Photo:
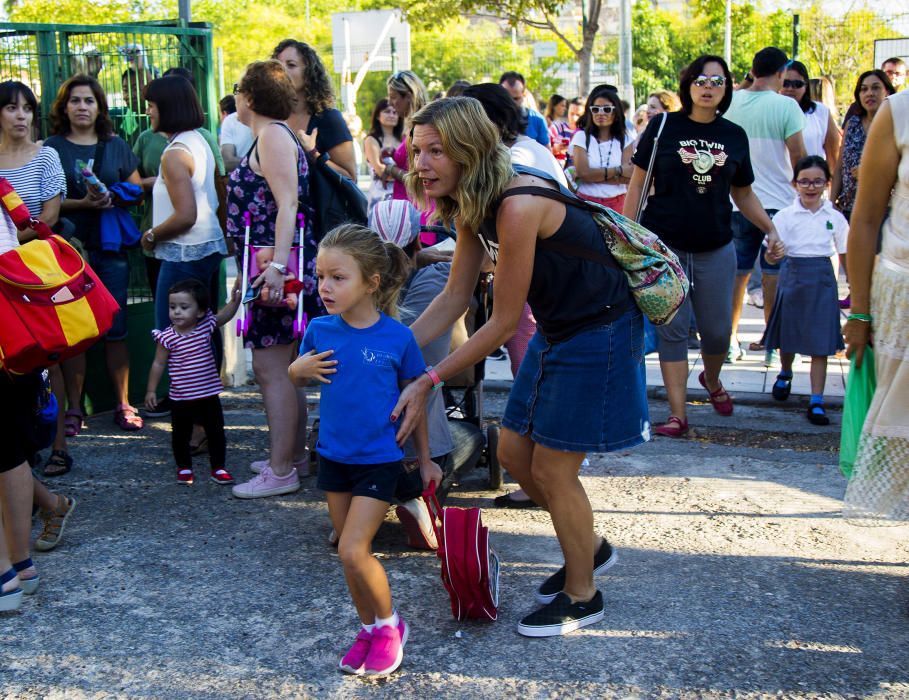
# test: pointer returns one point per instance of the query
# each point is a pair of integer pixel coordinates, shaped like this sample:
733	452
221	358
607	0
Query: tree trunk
585	56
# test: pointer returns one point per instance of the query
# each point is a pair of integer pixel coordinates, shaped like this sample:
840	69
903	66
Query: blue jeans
112	268
204	270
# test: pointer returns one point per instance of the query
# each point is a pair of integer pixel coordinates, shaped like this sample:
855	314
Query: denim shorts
112	267
585	394
379	481
749	244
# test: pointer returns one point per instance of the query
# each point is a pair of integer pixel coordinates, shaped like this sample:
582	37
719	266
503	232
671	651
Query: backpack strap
18	212
560	246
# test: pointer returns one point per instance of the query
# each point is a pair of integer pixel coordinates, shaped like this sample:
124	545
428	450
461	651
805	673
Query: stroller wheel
492	458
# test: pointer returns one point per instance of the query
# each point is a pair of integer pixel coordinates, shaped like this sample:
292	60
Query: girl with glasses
821	135
601	150
805	318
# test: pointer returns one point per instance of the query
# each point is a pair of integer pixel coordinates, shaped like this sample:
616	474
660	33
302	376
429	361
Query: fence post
796	31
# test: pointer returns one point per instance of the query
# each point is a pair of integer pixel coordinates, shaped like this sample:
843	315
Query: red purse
470	567
52	304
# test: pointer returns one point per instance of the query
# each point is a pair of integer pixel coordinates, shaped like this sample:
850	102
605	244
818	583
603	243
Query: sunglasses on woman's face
716	81
602	109
795	84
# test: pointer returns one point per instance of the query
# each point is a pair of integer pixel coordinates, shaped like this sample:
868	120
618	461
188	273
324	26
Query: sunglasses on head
712	81
796	84
602	109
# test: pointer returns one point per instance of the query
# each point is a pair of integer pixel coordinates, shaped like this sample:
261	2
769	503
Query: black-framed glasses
816	183
794	84
602	109
716	81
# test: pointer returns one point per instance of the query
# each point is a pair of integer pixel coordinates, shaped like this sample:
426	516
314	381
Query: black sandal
59	463
506	501
816	414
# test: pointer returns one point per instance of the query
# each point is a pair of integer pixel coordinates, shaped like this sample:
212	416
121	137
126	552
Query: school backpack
52	304
470	567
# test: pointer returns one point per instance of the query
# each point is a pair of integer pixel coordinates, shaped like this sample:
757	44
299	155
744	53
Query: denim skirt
585	394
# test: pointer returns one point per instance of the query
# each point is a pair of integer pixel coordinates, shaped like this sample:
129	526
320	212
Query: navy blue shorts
585	394
112	268
379	481
749	244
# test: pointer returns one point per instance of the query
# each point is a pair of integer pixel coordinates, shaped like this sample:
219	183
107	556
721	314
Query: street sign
545	49
354	36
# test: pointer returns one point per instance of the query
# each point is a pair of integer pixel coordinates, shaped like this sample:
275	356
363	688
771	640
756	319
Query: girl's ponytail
392	280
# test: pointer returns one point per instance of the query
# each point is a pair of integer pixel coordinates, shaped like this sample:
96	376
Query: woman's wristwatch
149	235
279	267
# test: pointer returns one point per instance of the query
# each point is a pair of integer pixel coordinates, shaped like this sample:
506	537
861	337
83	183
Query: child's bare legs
16	495
357	519
818	374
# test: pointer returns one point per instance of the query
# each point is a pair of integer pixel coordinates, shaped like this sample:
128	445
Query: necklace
608	152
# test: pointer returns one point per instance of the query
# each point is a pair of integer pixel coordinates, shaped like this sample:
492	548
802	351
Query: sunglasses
819	182
602	109
796	84
713	81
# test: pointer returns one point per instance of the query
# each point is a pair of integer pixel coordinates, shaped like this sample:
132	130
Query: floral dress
248	191
853	145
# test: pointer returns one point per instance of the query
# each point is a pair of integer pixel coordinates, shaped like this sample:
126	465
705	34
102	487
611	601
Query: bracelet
865	318
437	383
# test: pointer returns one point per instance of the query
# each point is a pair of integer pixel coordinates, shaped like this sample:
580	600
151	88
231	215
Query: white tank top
205	236
895	245
815	131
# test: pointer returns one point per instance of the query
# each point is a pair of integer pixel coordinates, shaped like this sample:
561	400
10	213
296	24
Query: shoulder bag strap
648	178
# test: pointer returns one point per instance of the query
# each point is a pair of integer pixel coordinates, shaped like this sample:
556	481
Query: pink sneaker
256	467
267	484
355	659
387	649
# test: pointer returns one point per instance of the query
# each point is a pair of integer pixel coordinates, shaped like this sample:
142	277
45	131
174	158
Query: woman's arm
454	299
836	183
613	174
625	171
635	190
832	142
277	159
176	170
880	161
340	158
50	214
373	153
750	206
518	224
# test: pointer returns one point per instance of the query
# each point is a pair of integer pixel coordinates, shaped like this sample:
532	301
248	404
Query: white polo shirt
808	234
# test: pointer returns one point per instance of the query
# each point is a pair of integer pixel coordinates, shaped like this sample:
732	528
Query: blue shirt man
514	83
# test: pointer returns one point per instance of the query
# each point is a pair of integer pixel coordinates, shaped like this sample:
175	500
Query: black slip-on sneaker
603	559
562	616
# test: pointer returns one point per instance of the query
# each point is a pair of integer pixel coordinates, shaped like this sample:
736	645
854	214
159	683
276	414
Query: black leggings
207	413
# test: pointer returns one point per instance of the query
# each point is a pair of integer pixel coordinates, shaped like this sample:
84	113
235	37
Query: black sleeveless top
569	294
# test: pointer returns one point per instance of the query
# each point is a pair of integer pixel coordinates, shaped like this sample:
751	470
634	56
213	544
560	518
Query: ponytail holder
865	318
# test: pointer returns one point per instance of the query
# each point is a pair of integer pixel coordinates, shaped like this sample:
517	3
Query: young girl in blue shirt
363	357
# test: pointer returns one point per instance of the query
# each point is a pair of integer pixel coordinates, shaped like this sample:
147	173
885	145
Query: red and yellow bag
52	304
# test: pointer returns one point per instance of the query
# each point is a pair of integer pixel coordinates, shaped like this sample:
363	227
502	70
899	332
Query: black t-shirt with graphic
696	165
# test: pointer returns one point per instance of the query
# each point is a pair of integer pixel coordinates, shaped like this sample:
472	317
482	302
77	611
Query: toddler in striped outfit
185	349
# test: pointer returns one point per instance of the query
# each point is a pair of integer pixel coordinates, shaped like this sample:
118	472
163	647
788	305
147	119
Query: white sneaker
414	516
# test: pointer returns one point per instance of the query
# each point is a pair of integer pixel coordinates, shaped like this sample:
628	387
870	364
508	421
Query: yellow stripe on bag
41	260
11	200
77	321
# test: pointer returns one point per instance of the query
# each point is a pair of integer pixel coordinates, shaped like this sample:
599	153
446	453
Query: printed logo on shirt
492	249
377	358
703	159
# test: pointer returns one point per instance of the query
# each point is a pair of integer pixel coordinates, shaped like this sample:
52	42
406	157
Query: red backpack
52	305
470	567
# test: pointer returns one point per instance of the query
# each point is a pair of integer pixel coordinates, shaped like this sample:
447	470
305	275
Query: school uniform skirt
806	316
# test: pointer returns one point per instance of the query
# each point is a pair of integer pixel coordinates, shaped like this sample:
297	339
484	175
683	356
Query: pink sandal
675	427
73	422
721	405
128	418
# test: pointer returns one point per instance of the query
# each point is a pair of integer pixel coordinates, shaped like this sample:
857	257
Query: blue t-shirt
536	127
355	409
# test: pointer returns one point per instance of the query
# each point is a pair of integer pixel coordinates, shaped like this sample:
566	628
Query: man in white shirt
236	140
774	126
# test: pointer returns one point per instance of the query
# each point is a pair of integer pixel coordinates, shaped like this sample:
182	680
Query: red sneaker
185	477
221	476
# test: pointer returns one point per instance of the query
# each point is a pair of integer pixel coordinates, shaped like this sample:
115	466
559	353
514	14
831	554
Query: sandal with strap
721	405
59	463
73	422
817	415
675	427
29	585
127	418
11	599
54	524
782	387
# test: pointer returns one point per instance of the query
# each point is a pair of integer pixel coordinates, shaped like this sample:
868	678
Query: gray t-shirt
425	286
118	162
